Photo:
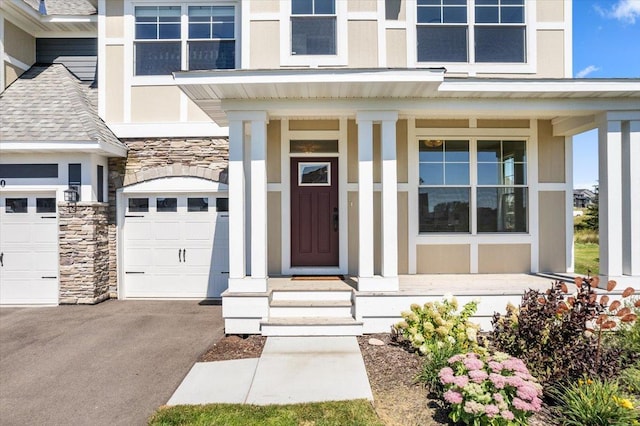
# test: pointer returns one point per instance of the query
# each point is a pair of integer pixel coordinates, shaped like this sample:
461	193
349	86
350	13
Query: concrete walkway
291	370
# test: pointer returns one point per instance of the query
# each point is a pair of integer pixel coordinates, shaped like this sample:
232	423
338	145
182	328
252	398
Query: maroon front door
314	212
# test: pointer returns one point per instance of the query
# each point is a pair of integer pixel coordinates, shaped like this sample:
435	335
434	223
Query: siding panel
79	55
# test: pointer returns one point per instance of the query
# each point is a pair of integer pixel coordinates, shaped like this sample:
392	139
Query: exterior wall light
71	195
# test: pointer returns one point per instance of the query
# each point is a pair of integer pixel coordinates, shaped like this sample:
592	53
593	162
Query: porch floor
437	284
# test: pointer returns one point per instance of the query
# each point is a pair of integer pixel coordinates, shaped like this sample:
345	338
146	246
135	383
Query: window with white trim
173	38
471	31
499	186
313	27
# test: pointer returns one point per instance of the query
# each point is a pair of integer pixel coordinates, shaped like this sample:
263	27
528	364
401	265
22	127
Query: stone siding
84	253
157	158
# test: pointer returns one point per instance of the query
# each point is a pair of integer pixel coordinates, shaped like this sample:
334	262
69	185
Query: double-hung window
313	27
174	38
471	31
211	37
499	186
158	49
442	32
500	31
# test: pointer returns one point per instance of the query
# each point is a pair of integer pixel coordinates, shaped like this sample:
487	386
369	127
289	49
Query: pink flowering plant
493	391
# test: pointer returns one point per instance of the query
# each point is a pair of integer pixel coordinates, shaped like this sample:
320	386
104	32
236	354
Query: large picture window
163	46
499	184
313	27
494	33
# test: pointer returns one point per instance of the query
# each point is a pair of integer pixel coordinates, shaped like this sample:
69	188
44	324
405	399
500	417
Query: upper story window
313	27
174	38
471	31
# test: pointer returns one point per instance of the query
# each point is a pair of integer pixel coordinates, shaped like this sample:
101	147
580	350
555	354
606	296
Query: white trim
15	62
382	35
112	41
551	187
2	76
630	199
395	25
158	130
343	196
263	16
546	26
310	135
568	178
342	39
533	207
176	184
129	27
389	207
452	239
474	132
102	58
363	16
413	180
237	208
285	197
259	209
71	146
568	39
245	35
365	196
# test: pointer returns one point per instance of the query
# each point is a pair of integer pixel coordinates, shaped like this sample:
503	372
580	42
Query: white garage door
28	249
175	246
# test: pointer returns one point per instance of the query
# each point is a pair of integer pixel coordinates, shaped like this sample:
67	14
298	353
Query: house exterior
383	140
583	198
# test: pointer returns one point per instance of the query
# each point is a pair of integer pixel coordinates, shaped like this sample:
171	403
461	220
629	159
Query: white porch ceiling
410	91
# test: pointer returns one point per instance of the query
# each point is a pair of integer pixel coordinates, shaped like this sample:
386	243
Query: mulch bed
234	347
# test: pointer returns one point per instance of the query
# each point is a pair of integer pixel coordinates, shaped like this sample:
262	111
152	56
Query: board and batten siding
79	55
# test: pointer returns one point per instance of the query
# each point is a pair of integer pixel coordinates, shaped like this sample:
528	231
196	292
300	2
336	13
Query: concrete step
312	295
304	326
311	308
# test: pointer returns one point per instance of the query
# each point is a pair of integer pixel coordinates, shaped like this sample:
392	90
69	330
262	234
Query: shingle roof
66	7
47	103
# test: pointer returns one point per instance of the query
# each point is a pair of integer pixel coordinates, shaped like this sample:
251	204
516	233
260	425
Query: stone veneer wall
155	158
84	252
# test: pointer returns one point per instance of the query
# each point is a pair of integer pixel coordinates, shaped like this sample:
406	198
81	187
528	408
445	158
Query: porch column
389	202
365	198
631	197
259	200
237	249
238	221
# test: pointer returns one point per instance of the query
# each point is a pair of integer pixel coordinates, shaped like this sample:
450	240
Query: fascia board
64	146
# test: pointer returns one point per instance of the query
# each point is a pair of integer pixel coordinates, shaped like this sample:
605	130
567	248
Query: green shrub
494	391
586	237
627	335
438	331
629	380
594	403
436	325
551	332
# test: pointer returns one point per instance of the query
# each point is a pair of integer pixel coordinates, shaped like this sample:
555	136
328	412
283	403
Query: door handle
336	219
179	255
184	255
2	259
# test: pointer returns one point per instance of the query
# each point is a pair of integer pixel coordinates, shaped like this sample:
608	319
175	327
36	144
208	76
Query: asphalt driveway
108	364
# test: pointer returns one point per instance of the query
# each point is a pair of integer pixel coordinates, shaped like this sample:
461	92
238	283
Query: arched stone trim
176	170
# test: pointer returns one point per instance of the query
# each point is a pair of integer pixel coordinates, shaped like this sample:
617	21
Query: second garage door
176	246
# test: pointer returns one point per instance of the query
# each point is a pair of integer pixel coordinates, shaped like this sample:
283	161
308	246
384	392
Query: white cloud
624	10
586	71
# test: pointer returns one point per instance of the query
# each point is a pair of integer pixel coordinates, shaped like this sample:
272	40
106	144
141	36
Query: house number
2	183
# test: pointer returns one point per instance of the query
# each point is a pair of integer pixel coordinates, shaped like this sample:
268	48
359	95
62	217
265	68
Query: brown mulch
392	368
234	347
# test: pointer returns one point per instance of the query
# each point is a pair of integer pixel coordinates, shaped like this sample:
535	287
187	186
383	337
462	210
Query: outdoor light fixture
71	195
432	143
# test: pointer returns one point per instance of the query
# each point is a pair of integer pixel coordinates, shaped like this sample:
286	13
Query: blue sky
606	43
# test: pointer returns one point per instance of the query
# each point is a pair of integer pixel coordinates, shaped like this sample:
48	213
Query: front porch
293	307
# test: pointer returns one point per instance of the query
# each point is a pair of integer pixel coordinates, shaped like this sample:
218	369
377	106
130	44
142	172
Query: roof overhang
29	20
90	147
409	91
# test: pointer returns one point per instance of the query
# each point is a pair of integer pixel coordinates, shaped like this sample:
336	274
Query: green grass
587	257
353	413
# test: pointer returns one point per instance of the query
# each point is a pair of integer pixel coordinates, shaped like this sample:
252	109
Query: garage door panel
45	232
136	257
19	233
15	290
138	230
197	256
165	257
167	230
198	231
